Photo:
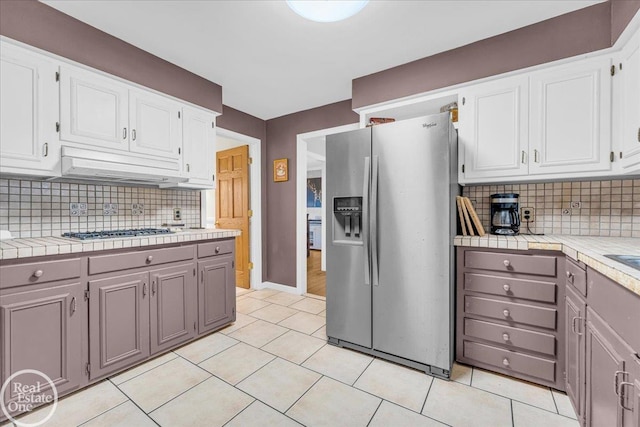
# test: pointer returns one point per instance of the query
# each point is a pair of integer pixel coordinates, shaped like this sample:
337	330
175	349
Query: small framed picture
280	170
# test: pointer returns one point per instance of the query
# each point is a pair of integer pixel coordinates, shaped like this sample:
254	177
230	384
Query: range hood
96	165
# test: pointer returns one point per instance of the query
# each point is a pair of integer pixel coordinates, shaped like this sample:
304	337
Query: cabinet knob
505	336
217	249
506	313
150	258
38	273
506	263
505	362
506	287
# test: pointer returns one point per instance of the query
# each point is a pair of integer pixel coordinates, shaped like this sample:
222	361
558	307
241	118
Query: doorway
315	200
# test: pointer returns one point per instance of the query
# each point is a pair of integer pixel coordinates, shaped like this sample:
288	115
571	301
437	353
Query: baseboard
280	287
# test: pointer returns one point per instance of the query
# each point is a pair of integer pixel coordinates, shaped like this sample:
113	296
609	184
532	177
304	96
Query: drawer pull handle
506	287
505	362
506	263
506	313
73	305
217	249
150	258
573	325
38	273
144	290
616	382
506	337
622	396
570	276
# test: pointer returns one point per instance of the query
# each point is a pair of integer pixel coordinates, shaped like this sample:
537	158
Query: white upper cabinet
570	118
199	138
492	130
93	109
155	125
628	85
28	112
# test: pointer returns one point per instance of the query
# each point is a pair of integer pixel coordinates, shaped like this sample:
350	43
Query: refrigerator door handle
373	228
366	188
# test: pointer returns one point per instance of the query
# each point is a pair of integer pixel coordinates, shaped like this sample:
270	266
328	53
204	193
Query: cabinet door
118	322
493	131
571	118
42	330
173	306
629	84
575	315
216	293
155	125
28	111
199	138
93	109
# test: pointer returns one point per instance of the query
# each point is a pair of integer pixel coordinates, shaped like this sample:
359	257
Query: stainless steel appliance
505	217
390	220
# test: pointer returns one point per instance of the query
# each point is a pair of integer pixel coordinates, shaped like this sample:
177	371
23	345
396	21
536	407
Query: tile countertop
589	249
23	248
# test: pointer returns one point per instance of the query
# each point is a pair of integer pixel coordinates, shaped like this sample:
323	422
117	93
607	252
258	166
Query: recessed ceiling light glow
326	10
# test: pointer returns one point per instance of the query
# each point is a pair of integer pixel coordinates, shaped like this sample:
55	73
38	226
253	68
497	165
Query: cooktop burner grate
109	234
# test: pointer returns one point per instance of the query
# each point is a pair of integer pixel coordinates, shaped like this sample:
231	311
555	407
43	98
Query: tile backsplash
32	208
607	208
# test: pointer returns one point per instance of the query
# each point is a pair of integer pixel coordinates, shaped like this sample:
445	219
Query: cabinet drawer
39	272
511	312
511	263
511	360
508	287
215	248
576	277
511	337
124	261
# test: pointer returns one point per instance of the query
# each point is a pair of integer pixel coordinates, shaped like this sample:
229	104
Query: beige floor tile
460	405
242	291
461	373
258	333
260	415
389	414
264	293
529	416
294	346
284	298
205	347
304	322
514	389
310	305
564	404
321	333
125	415
274	313
338	363
237	363
211	403
242	320
249	305
79	407
279	384
134	372
161	384
398	384
323	313
331	403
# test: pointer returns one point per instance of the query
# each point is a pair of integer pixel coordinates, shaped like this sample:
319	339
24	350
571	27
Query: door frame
255	201
301	200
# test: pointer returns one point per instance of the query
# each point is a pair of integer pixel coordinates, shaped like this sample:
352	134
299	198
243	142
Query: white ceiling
271	62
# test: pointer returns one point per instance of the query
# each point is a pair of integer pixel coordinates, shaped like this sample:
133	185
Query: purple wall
622	11
39	25
574	33
280	197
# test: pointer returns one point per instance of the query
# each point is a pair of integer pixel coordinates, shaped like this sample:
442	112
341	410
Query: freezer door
348	275
411	284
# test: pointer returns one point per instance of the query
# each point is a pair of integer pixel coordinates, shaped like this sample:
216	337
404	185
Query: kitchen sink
630	260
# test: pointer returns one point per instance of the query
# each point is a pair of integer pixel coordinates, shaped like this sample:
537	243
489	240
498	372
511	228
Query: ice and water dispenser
347	220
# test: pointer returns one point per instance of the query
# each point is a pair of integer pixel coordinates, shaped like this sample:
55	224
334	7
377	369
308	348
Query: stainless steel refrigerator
390	224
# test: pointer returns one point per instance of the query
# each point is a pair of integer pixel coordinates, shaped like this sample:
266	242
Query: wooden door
173	306
155	125
216	293
575	308
232	204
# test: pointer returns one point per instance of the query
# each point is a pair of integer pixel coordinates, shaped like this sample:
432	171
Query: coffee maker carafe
505	219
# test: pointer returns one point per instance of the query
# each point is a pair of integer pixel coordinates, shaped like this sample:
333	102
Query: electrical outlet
566	212
576	205
109	209
177	214
78	209
137	209
527	214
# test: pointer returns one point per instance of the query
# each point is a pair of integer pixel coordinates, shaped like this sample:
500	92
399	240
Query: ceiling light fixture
326	10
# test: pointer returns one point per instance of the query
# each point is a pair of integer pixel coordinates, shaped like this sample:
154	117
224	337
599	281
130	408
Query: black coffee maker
505	219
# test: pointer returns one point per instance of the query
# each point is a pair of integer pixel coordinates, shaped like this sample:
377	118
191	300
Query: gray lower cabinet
216	292
41	329
575	323
118	322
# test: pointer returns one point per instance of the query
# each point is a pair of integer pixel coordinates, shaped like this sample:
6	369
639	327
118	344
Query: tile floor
273	367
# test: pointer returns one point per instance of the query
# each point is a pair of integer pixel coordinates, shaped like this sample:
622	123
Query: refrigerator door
411	291
348	267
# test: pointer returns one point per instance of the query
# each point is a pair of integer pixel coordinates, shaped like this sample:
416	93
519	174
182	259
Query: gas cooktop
109	234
